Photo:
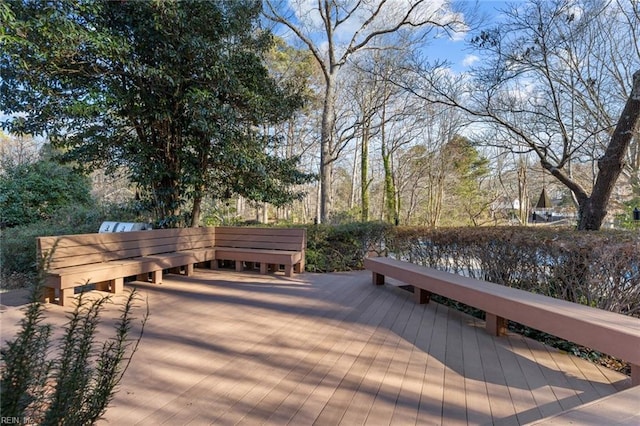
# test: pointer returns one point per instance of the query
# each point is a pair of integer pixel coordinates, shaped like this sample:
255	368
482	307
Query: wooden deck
229	348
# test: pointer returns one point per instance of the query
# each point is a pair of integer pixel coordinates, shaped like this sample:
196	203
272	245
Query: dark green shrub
36	191
343	247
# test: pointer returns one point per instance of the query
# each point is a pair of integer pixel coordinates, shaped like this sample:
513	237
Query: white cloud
387	15
470	60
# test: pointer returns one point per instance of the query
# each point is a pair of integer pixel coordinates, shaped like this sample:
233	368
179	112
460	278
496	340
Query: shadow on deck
229	348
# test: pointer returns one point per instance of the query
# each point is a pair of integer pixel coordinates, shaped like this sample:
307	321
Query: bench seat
98	272
608	332
106	259
292	260
266	246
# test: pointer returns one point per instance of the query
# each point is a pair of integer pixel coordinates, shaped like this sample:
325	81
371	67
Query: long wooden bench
269	247
106	259
608	332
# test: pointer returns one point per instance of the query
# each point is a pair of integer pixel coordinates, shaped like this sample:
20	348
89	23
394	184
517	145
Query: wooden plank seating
106	259
608	332
270	247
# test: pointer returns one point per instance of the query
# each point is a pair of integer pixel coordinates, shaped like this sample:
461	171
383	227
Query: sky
456	51
306	17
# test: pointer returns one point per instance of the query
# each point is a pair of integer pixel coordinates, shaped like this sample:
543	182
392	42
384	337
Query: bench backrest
83	249
292	239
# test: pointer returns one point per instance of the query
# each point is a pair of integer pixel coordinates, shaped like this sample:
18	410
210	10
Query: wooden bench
106	259
608	332
269	247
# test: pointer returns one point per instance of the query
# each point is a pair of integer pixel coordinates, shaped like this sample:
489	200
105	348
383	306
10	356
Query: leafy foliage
343	247
175	91
469	168
75	386
36	191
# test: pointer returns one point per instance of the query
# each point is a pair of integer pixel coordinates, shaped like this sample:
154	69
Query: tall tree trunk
354	178
364	170
195	210
389	188
523	195
593	209
326	146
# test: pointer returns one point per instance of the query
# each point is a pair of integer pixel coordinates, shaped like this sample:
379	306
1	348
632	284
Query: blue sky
306	17
457	52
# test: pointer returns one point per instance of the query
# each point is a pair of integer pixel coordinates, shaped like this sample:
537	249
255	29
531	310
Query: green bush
33	192
18	244
342	247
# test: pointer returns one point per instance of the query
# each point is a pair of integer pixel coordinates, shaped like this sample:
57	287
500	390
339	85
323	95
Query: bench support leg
239	266
288	270
156	277
48	295
67	296
117	285
635	375
378	279
188	270
264	268
143	277
298	268
496	326
421	296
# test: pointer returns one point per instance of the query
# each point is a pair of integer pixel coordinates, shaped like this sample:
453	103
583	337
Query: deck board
230	348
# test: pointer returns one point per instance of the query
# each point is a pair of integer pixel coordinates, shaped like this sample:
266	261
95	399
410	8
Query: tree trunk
389	188
195	211
326	146
389	185
354	178
364	171
593	209
523	195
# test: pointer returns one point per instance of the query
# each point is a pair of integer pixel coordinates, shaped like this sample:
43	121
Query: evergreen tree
175	91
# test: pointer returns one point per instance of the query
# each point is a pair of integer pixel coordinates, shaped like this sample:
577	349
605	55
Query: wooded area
214	109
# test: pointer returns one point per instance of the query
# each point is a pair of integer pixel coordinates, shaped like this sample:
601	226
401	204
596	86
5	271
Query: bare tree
18	149
424	173
363	88
334	30
554	79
